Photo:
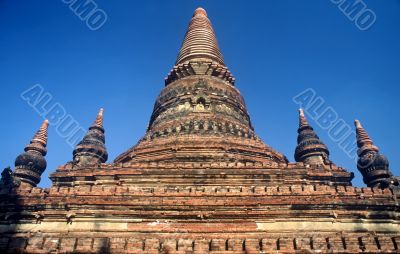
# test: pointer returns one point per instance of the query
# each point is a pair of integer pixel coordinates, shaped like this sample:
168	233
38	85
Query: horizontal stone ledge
211	190
199	170
198	227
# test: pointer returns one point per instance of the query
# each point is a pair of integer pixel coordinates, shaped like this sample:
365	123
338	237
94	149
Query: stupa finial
30	165
41	134
99	119
200	43
310	148
363	139
373	165
200	12
92	150
199	53
302	119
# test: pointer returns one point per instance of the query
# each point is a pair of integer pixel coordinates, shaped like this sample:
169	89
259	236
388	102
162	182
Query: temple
200	180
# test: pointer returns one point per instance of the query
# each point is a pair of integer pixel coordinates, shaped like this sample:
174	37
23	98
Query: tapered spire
30	165
199	53
373	165
99	119
39	140
310	148
91	150
302	119
364	142
200	42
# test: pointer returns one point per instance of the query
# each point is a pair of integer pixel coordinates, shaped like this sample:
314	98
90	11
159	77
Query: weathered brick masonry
199	181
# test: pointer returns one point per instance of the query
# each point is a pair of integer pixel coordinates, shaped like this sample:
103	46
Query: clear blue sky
274	48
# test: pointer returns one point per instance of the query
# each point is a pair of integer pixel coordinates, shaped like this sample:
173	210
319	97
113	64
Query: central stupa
200	115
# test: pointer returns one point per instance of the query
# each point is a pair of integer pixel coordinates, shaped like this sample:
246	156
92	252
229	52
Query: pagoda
200	180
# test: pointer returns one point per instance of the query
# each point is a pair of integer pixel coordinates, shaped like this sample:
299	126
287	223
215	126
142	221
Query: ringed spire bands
373	165
92	150
310	148
199	53
200	42
30	165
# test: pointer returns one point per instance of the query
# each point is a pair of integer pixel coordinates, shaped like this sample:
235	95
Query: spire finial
39	141
99	119
302	119
310	149
200	43
364	142
30	165
200	12
92	150
199	53
357	124
301	112
373	165
41	134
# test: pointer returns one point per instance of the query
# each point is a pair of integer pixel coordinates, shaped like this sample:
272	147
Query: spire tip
99	118
301	112
200	11
41	134
302	119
